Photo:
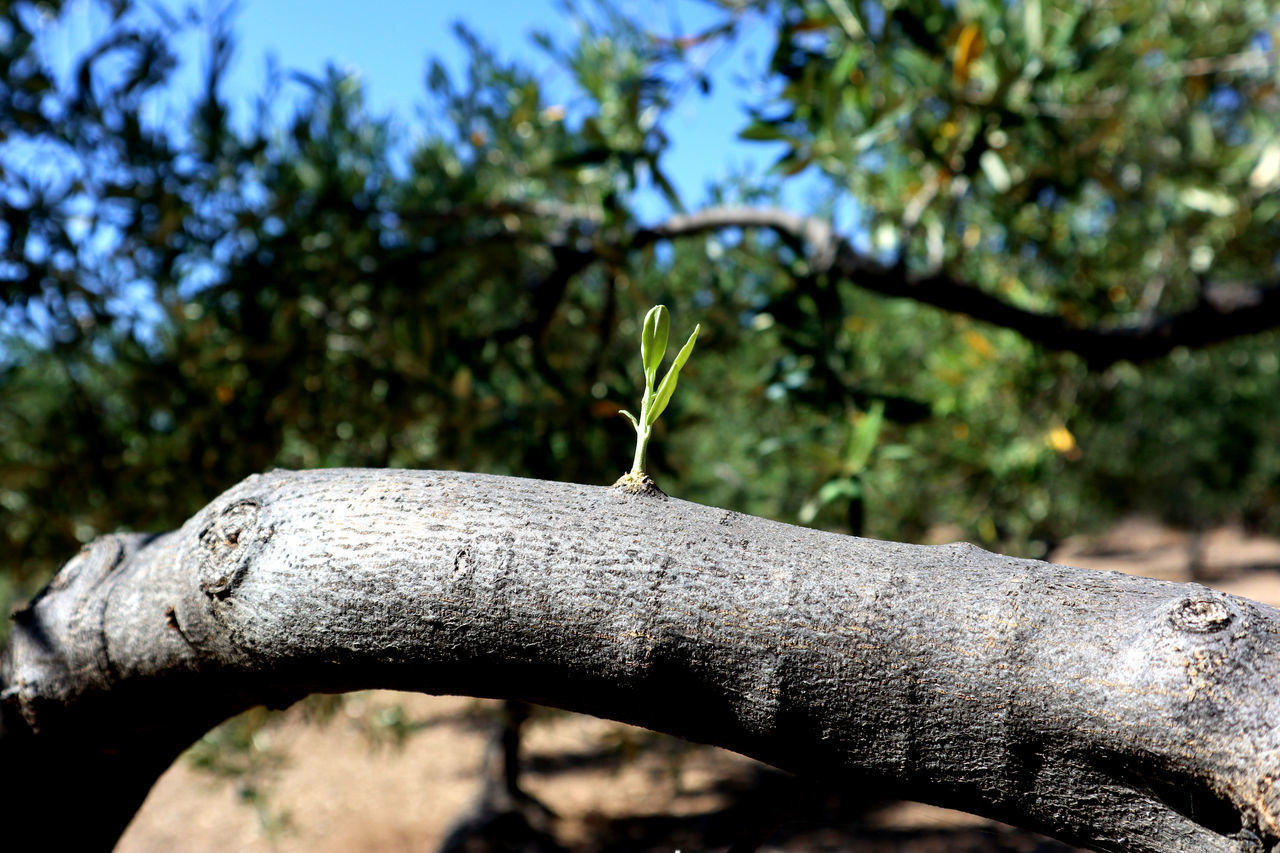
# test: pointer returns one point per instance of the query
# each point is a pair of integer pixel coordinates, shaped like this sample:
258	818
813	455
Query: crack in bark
171	619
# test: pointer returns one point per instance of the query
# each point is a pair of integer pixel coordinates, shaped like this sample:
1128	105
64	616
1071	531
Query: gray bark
1115	712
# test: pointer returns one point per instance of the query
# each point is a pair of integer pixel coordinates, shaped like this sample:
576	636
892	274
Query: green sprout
653	346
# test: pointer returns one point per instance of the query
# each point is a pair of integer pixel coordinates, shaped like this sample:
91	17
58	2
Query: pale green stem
643	430
642	449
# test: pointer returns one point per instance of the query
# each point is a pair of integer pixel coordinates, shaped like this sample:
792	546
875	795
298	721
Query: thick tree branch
1112	711
1223	314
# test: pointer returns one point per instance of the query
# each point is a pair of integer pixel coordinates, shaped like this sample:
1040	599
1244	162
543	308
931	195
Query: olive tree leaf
832	490
864	437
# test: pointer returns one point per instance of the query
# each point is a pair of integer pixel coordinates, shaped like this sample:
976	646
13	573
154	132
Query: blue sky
390	44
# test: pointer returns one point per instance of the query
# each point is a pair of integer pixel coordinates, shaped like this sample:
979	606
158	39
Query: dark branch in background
546	293
1224	311
1221	314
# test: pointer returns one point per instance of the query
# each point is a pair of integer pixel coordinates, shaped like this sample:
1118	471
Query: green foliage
653	346
1096	160
847	485
1202	427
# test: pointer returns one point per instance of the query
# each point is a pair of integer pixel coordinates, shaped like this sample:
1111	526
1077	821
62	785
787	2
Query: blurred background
286	234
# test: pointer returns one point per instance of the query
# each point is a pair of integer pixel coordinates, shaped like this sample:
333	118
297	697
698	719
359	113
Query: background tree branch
1119	712
1223	312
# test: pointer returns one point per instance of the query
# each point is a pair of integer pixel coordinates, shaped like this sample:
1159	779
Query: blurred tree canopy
1059	207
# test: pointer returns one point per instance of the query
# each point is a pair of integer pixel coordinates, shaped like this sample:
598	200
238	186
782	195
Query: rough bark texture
1115	712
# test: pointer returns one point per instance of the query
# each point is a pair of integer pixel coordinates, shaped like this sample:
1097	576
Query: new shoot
653	346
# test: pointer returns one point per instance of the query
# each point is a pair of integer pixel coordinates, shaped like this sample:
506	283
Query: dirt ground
390	772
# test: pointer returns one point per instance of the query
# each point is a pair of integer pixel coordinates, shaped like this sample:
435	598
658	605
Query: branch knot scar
226	545
1201	614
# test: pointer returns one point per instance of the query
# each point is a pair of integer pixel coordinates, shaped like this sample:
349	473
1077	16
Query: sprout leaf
668	386
653	340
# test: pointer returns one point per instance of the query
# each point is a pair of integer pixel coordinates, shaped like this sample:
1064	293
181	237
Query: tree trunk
1110	711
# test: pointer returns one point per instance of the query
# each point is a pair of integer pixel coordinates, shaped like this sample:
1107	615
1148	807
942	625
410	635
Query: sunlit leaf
968	48
653	341
668	386
865	435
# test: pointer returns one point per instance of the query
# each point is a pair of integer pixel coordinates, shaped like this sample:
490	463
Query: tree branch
1223	314
1118	712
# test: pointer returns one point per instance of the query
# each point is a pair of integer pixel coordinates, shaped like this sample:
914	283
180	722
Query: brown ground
348	785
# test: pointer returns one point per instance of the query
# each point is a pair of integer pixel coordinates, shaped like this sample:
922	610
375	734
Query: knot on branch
95	562
1203	614
226	545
